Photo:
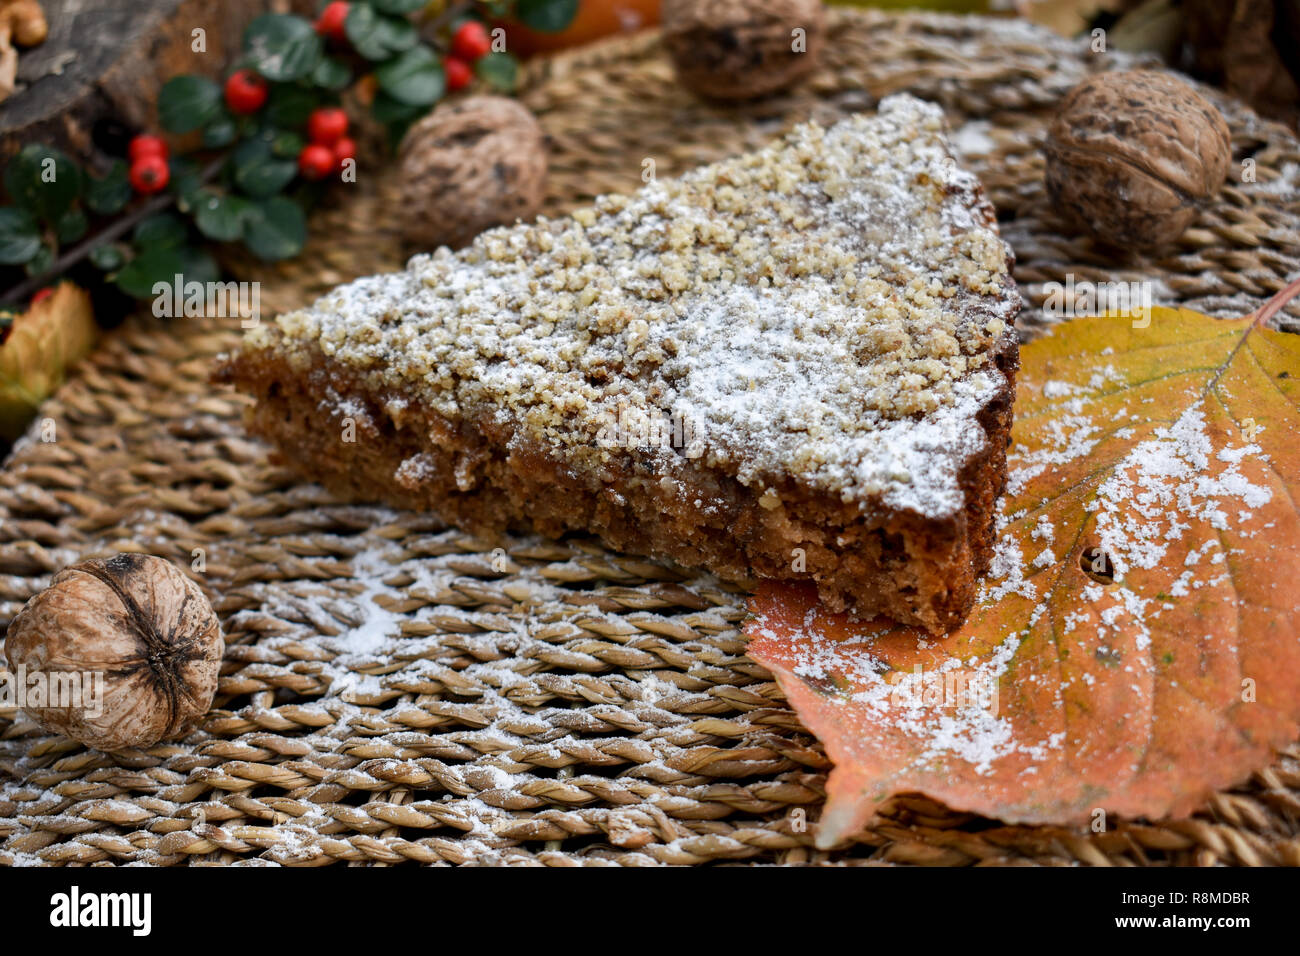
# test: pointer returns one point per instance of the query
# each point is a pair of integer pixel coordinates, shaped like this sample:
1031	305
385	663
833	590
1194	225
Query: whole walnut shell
738	50
1133	155
470	165
141	624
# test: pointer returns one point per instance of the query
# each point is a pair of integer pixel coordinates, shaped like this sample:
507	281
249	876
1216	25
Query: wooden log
95	80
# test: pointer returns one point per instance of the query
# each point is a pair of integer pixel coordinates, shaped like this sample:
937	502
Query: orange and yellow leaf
1136	644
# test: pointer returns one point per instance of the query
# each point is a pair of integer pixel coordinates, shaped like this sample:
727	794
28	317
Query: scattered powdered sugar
360	641
1043	530
377	623
1064	437
972	138
965	724
1006	574
1055	389
415	469
1285	184
1148	502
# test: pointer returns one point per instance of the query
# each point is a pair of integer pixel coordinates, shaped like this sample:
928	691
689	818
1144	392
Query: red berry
316	161
471	41
458	73
146	145
245	92
331	20
344	149
42	294
149	174
326	125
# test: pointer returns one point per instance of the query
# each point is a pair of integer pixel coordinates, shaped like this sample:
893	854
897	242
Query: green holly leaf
258	171
20	238
197	265
282	47
499	71
287	145
398	7
43	181
549	16
42	262
108	257
388	110
414	78
290	105
399	34
71	226
155	272
185	183
162	231
220	132
220	217
331	74
187	102
109	195
148	268
359	27
375	36
275	229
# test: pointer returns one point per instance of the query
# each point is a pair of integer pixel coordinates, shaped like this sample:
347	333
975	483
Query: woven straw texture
395	691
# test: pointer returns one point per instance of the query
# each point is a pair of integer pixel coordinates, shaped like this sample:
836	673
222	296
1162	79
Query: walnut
468	166
737	50
1132	156
135	639
22	23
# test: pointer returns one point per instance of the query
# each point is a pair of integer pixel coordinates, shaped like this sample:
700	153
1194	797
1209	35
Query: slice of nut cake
796	364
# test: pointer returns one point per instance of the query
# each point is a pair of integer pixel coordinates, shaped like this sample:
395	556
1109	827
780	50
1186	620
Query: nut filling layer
808	347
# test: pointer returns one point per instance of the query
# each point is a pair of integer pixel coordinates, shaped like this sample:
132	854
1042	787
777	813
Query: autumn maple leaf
1136	644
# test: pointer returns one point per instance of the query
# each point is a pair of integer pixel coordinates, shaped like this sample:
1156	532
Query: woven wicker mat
396	691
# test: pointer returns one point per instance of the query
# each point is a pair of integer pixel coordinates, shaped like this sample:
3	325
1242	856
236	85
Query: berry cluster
149	172
469	44
245	93
258	147
330	148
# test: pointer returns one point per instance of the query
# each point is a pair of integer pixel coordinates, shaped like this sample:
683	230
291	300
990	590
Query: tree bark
94	82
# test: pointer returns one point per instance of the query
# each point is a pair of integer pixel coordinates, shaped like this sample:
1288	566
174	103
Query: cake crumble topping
827	308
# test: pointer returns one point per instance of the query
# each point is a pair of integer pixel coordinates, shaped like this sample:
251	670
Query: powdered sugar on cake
827	308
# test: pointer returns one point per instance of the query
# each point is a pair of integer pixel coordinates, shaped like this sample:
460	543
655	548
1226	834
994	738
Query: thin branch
82	249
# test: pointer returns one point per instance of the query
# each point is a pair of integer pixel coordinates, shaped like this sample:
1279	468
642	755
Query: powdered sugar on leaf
1150	501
